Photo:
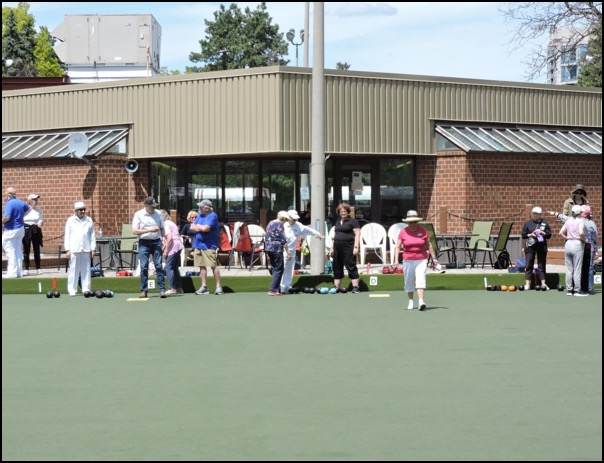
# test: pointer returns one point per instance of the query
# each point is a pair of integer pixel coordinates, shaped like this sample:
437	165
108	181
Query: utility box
109	42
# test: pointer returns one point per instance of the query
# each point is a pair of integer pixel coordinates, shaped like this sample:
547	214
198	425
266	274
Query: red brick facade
110	193
453	189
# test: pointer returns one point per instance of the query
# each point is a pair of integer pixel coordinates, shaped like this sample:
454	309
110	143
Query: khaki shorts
205	258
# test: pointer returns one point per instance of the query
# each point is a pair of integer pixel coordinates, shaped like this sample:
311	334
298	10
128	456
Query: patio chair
393	233
444	247
481	233
373	238
497	252
127	246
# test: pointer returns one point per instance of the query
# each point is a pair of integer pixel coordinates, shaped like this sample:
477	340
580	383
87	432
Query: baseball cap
293	214
576	209
537	210
150	201
283	215
79	205
33	196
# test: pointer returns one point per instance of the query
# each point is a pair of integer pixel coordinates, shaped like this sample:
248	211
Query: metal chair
439	250
481	233
495	251
127	246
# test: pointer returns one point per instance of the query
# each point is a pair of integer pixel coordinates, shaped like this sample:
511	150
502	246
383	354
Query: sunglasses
81	210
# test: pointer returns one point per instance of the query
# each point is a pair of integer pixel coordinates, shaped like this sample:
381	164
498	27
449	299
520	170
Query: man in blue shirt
205	246
14	230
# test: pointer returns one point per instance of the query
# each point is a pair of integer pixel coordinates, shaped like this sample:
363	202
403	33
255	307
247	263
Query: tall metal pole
306	32
317	160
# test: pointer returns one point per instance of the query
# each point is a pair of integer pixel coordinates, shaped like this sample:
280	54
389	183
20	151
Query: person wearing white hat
294	230
536	232
33	234
573	232
13	233
275	246
415	242
80	245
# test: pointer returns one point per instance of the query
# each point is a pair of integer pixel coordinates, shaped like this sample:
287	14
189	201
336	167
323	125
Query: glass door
353	183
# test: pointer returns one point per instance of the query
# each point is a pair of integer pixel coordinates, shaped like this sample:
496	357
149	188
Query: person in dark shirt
536	232
345	247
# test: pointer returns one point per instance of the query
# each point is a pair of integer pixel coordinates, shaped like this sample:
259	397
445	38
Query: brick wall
110	193
503	187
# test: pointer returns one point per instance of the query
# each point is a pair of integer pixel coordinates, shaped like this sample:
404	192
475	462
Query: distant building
564	70
101	48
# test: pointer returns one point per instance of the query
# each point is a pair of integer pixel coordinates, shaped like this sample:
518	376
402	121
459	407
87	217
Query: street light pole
291	34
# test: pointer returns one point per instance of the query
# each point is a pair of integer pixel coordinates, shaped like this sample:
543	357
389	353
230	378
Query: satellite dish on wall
78	144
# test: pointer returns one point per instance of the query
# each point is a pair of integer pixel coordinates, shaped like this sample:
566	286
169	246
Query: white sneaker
39	271
25	273
410	305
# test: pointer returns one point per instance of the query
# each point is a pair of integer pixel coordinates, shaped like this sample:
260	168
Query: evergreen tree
591	71
239	40
18	45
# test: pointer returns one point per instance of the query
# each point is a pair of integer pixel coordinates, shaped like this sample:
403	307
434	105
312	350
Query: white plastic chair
373	238
257	234
393	233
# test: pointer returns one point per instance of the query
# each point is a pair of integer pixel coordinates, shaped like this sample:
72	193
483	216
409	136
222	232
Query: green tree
591	71
18	45
31	53
533	20
47	61
239	40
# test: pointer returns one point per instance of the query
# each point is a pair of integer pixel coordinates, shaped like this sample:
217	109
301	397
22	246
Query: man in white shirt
148	225
80	244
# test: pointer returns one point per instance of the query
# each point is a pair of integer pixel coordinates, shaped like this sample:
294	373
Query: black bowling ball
50	294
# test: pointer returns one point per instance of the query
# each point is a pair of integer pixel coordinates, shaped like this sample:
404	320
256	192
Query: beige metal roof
56	144
522	140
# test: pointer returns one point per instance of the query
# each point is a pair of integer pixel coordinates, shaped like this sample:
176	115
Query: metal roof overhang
522	140
52	145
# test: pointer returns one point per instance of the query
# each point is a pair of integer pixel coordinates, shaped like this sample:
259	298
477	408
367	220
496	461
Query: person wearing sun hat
415	243
577	196
80	245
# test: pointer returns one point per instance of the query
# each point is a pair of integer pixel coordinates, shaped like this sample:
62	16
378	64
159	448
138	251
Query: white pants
288	273
415	274
79	269
11	243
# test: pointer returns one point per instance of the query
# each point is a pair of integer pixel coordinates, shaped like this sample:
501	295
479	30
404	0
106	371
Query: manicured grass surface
239	284
245	376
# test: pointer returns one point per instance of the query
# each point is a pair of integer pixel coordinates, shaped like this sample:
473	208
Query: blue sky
468	40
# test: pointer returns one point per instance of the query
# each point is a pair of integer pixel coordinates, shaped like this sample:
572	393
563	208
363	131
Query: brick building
457	150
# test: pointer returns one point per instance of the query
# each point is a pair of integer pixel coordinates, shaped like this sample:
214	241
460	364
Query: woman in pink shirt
573	231
172	247
416	245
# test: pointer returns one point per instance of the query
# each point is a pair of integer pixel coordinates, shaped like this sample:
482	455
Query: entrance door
356	182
